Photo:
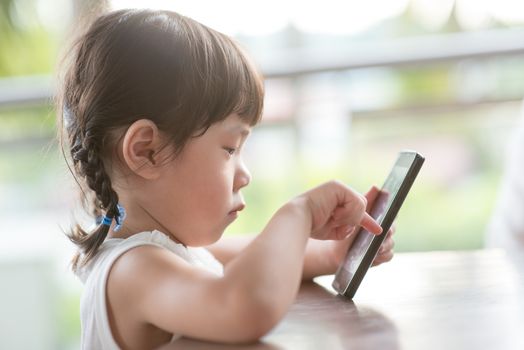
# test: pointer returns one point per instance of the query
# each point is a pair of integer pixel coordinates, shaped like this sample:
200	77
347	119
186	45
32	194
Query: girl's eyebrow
242	129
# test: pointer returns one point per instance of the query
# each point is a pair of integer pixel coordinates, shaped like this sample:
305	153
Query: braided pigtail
89	165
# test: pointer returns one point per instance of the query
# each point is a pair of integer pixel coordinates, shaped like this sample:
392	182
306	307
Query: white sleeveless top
96	332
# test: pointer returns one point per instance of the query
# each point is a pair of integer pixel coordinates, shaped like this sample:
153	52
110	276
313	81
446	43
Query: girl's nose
243	177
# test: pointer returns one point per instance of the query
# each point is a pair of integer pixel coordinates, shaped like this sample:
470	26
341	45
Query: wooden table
436	300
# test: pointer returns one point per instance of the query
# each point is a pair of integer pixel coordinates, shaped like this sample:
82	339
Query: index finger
370	224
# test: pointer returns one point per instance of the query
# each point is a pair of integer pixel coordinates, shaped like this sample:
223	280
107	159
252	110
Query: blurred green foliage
69	320
26	47
431	218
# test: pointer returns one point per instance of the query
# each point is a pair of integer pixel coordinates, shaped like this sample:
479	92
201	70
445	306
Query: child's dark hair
157	65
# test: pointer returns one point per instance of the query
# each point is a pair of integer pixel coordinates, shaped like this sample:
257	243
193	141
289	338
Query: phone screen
384	210
378	211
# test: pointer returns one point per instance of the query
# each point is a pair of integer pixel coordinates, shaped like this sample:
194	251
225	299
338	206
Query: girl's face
197	195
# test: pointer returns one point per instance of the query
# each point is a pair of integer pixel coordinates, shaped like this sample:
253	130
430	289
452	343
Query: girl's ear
140	149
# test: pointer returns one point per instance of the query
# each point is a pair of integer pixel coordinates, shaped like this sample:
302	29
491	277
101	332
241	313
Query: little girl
156	109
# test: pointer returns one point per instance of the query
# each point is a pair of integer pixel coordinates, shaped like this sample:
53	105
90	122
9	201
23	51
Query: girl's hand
337	249
336	211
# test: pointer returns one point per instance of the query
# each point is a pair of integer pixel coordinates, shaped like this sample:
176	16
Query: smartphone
385	208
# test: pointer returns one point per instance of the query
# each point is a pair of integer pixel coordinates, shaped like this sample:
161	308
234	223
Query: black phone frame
415	161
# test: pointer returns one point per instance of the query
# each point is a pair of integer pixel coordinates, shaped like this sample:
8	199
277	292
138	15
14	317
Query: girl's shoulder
197	256
118	276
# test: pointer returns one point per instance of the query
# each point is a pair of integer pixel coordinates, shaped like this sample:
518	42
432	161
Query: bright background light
338	17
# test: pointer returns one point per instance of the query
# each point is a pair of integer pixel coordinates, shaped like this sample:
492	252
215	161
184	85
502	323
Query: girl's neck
138	220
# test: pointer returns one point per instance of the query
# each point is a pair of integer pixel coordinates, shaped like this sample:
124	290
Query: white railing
38	90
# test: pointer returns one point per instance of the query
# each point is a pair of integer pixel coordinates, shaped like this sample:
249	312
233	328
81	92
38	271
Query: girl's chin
204	238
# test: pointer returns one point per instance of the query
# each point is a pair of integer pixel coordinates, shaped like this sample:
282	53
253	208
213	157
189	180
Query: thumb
371	195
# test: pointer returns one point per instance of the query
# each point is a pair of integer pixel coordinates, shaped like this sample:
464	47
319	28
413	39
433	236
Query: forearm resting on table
315	261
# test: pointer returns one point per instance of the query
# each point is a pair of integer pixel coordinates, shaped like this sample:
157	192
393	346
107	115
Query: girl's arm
317	260
158	288
320	257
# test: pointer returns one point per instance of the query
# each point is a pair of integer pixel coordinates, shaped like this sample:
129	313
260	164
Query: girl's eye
230	151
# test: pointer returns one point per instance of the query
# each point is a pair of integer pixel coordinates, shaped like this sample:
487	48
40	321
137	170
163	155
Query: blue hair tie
121	217
106	220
